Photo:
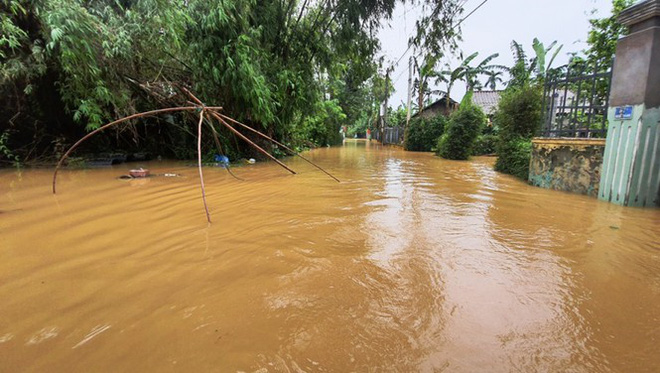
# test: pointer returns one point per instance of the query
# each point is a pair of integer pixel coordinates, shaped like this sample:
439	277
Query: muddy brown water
411	264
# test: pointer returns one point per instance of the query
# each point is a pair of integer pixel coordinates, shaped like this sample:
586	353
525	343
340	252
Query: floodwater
412	263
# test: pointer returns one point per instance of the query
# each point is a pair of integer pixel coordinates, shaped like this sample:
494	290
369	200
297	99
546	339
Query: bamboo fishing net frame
212	111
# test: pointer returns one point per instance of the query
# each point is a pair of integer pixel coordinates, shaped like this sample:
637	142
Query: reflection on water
412	263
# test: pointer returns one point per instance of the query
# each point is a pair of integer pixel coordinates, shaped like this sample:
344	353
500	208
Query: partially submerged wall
572	165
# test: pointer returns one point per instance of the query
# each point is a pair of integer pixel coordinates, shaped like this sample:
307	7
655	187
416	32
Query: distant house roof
487	100
439	105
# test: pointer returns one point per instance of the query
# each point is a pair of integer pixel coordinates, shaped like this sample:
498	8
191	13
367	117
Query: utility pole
383	107
410	79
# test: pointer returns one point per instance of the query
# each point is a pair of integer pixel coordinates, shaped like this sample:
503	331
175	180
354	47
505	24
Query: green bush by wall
422	133
519	111
519	118
514	155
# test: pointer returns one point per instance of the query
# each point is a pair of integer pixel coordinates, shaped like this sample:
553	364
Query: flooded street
412	263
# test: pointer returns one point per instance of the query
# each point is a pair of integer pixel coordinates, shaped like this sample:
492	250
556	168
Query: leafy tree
294	69
437	33
482	68
604	34
541	55
323	129
519	111
397	117
421	84
514	156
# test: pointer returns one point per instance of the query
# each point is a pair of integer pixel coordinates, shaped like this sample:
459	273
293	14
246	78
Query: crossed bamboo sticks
204	111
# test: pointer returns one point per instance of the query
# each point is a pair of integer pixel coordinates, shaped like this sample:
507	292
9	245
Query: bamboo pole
229	127
262	151
134	116
199	162
217	143
293	152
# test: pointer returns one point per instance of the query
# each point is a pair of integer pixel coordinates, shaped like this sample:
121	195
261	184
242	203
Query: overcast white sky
492	28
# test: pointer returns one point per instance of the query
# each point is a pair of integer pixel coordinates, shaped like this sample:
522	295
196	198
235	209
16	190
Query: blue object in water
222	159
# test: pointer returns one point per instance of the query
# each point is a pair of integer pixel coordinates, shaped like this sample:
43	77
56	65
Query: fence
575	102
390	135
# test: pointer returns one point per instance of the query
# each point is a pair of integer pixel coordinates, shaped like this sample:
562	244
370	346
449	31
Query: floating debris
140	172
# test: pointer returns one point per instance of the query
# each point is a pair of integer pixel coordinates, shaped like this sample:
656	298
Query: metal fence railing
390	135
575	102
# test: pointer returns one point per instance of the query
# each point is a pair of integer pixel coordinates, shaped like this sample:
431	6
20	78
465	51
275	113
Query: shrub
519	111
485	144
422	133
518	117
514	156
462	131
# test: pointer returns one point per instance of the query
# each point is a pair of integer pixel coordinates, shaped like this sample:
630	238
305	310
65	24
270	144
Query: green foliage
397	117
468	73
295	69
485	144
437	31
519	111
528	71
5	151
604	34
464	126
323	128
437	34
514	154
519	117
11	36
422	134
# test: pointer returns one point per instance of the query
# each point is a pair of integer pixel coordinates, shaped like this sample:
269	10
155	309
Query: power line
458	24
472	12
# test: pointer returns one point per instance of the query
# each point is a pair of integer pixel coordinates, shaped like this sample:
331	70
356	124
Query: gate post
631	164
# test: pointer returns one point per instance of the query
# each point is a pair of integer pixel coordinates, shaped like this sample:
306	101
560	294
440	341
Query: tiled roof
441	102
487	100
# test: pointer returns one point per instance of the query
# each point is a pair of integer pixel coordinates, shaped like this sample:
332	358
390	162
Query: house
487	101
437	108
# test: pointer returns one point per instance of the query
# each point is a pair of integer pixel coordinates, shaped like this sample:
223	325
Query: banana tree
524	70
426	71
483	68
467	72
494	77
541	54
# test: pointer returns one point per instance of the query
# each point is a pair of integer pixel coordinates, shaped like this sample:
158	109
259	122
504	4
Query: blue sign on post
623	112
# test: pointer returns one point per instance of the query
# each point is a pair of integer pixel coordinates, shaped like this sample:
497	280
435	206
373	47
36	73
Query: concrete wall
572	165
631	173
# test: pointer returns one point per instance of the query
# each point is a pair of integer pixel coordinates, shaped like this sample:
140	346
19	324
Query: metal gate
575	102
389	135
393	135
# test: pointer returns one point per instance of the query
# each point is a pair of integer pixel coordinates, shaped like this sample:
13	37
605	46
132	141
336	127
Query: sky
491	29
